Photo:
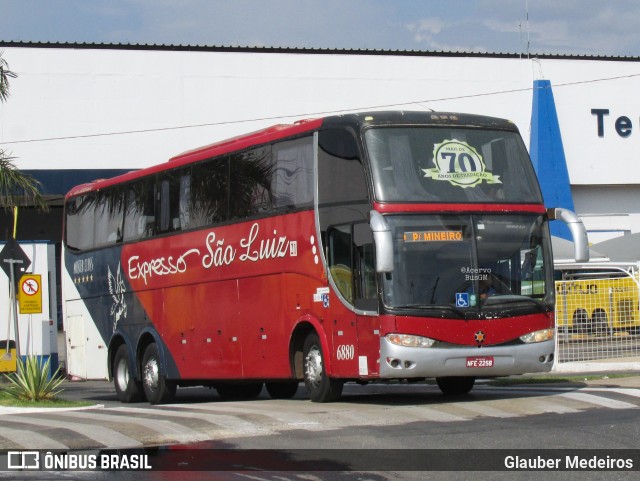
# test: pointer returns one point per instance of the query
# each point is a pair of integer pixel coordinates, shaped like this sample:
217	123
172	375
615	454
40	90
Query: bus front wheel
320	386
128	389
157	389
455	386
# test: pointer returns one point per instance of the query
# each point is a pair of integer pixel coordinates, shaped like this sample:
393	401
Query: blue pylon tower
547	154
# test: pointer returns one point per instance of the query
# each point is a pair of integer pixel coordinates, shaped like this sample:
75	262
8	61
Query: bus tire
580	322
239	391
321	387
455	386
157	389
128	389
282	390
599	322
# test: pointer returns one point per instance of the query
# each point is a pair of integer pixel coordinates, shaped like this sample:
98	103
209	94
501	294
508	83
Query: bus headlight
407	340
538	336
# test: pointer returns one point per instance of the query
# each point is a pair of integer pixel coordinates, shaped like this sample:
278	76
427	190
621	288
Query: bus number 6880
345	352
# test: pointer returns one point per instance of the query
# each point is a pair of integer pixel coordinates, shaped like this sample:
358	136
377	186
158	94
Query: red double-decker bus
362	247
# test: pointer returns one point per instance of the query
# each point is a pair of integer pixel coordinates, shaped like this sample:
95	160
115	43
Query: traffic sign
12	253
30	294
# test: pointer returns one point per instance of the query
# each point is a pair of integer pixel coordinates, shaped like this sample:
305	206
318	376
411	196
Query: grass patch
33	380
9	401
554	379
33	386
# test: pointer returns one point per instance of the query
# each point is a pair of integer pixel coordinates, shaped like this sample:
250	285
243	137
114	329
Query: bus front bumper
400	362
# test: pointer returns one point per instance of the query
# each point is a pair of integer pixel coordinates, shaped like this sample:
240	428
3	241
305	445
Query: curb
24	410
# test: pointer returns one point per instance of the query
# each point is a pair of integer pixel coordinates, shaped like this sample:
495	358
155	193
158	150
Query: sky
574	27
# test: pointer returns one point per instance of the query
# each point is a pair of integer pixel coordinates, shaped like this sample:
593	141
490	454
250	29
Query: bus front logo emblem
479	337
459	164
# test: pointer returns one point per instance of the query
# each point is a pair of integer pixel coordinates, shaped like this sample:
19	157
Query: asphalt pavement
101	394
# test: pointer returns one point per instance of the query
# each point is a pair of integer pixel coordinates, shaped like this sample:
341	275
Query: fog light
394	363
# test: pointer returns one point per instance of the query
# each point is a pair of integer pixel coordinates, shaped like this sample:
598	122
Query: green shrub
32	382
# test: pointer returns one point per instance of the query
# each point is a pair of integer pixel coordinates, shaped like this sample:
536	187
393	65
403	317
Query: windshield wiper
510	299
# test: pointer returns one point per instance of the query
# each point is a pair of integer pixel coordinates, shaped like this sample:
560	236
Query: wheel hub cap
313	367
151	374
122	375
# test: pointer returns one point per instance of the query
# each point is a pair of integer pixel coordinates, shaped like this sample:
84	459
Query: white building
81	111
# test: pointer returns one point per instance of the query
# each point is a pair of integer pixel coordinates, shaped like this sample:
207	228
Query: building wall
608	211
79	108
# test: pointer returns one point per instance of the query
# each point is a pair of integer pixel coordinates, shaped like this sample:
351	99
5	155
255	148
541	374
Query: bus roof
281	131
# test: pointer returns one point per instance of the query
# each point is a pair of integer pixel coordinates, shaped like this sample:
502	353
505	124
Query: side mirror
383	240
576	227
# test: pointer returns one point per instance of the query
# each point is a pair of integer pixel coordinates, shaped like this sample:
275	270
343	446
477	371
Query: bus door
355	334
366	301
341	317
343	208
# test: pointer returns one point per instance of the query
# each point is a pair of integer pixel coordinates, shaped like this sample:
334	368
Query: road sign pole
10	255
14	301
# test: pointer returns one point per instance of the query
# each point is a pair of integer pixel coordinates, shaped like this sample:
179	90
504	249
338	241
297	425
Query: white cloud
425	29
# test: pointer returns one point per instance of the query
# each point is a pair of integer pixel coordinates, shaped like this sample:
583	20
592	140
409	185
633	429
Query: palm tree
18	188
5	75
15	187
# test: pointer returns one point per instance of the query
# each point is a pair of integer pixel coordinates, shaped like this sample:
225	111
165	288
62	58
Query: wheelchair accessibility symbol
462	299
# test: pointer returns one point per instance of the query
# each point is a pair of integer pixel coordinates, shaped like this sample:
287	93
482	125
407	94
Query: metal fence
597	313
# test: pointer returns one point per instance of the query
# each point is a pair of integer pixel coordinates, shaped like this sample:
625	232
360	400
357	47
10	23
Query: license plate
480	361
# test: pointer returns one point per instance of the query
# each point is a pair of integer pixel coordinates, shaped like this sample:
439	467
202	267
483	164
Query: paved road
199	415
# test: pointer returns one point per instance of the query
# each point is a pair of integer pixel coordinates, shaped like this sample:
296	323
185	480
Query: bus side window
80	213
292	180
108	218
342	184
351	264
170	202
366	287
139	217
209	193
250	183
340	260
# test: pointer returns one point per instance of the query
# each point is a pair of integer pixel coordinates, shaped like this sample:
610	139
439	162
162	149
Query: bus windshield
468	263
445	164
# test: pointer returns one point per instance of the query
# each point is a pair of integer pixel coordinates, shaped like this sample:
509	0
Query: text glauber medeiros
572	462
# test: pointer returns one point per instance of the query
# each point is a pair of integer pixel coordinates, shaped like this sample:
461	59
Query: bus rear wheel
157	389
128	389
321	387
282	390
599	322
455	386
